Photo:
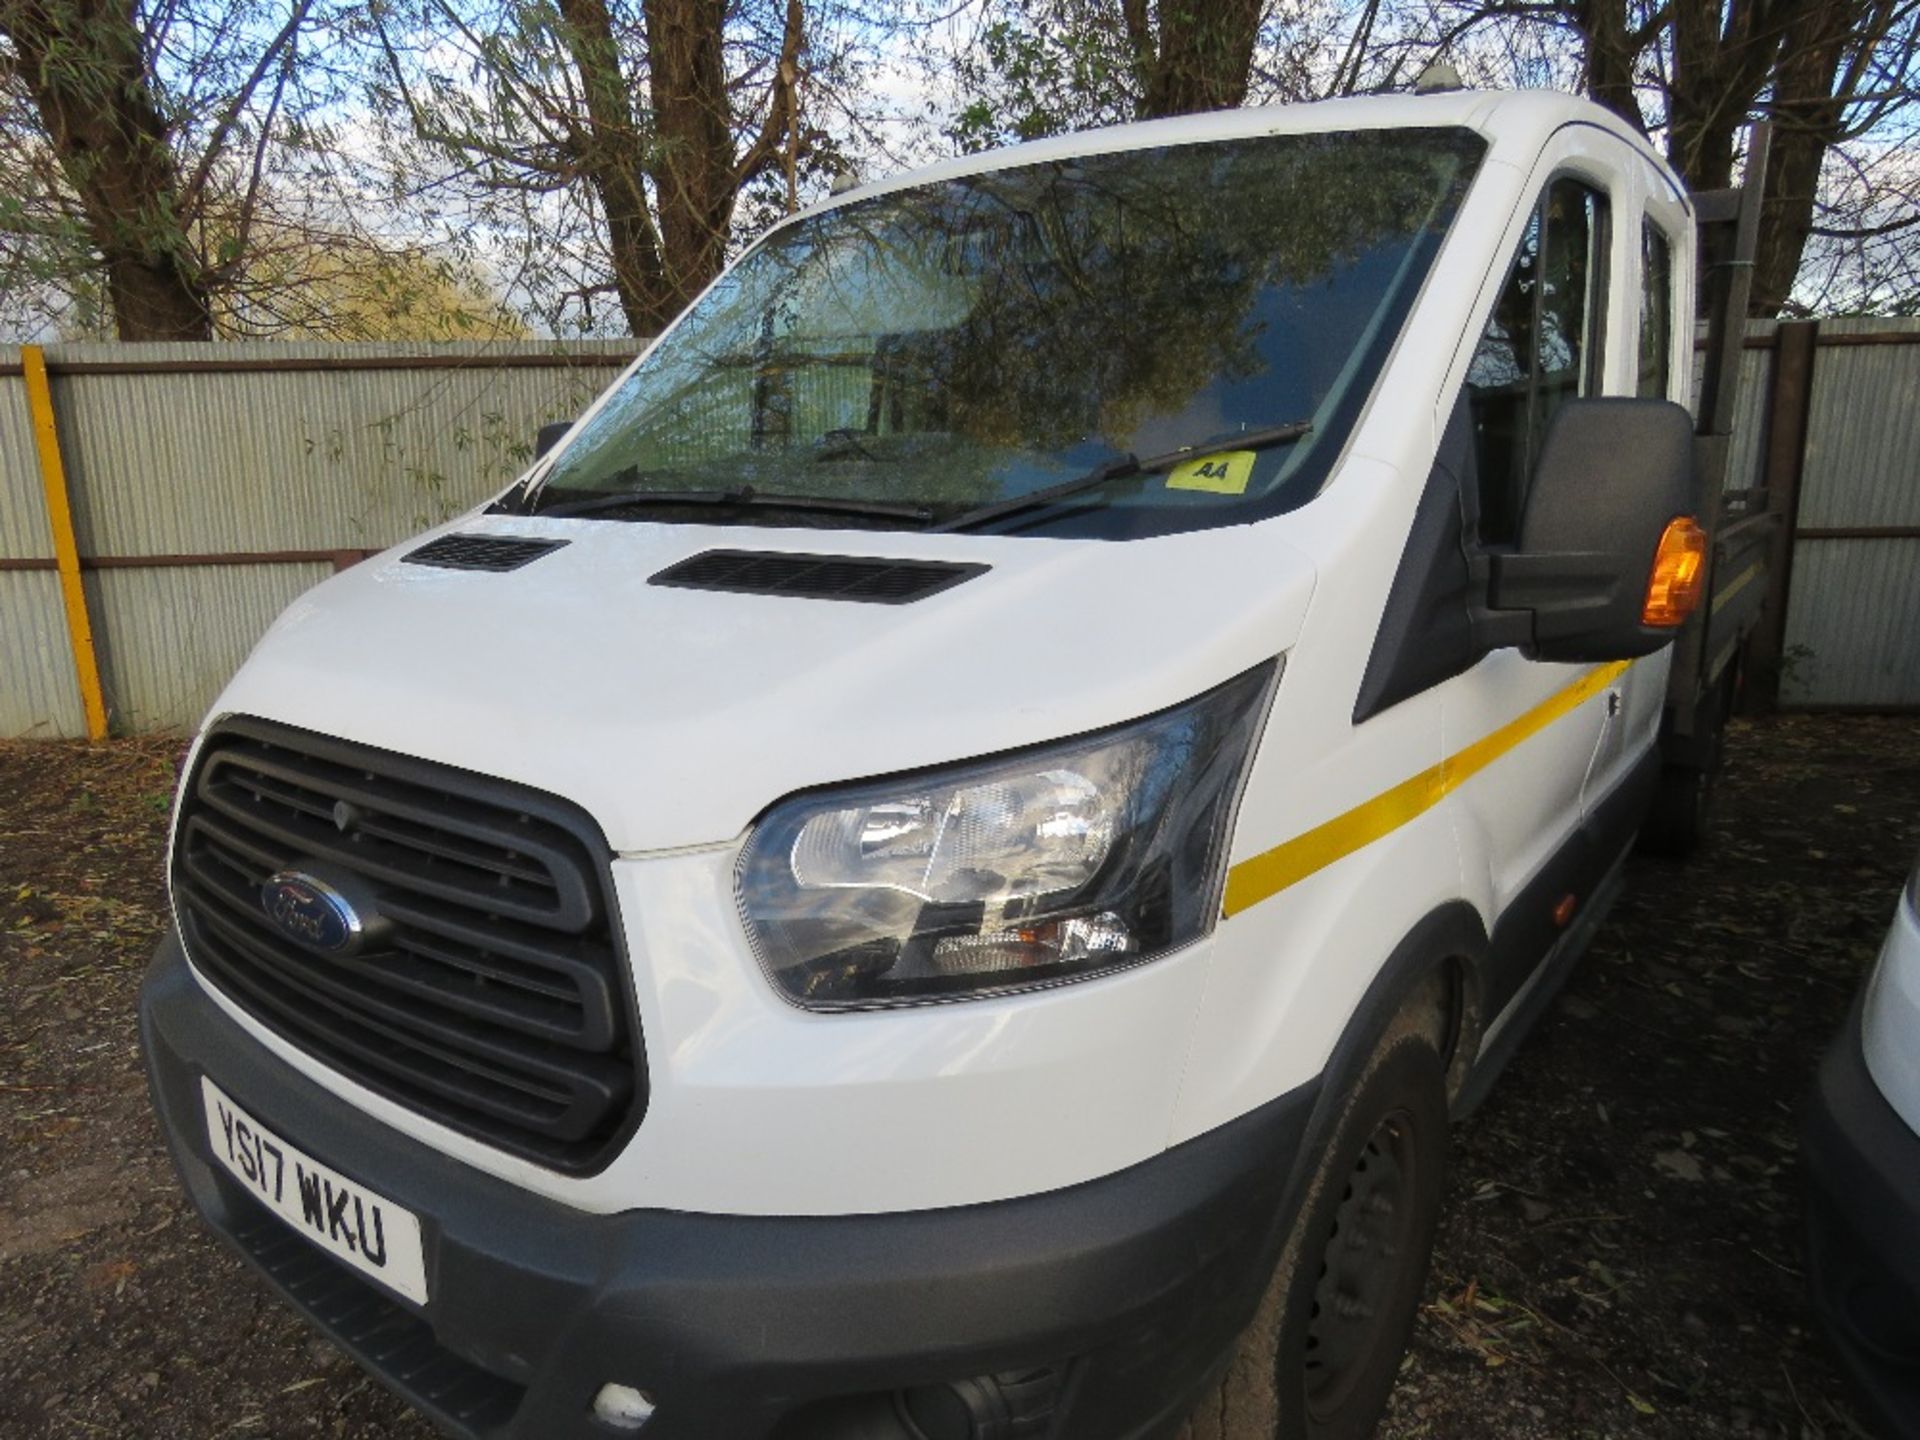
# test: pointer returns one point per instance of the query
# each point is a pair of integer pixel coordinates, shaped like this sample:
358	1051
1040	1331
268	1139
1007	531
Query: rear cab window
1655	361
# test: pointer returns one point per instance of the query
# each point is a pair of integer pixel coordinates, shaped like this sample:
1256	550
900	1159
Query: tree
1830	73
308	286
1041	67
126	131
616	139
191	170
1845	72
1837	76
1191	55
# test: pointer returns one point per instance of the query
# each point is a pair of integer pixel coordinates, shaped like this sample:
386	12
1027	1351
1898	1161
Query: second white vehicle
1860	1151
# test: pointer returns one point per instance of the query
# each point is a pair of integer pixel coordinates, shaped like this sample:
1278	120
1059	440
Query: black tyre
1677	821
1682	809
1321	1356
1363	1243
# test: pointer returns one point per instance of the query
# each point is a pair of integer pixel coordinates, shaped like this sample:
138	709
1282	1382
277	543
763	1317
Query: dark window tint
1656	312
1541	347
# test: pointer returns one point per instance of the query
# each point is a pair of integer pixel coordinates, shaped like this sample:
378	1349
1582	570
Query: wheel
1364	1242
1320	1358
1676	823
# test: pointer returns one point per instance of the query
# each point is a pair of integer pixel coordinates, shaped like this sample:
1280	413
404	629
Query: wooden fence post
1789	403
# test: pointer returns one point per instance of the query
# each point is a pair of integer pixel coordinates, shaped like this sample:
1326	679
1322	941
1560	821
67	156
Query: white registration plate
370	1233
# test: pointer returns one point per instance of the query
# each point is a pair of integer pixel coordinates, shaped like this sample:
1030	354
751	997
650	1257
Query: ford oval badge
305	908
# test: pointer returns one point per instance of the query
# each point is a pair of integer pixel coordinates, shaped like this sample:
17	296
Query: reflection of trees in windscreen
921	343
1119	290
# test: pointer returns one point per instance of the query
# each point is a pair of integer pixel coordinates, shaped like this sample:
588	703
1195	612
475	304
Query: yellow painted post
66	554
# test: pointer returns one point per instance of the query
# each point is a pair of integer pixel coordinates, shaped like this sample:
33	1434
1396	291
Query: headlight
1023	870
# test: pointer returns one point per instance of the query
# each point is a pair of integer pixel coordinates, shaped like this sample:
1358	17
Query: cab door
1523	735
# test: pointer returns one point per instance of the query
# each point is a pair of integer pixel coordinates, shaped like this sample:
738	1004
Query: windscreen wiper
1122	466
743	497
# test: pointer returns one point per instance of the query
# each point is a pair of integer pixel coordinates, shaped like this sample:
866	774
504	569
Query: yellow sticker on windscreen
1226	473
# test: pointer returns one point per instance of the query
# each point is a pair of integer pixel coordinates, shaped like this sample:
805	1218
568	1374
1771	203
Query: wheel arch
1430	983
1433	980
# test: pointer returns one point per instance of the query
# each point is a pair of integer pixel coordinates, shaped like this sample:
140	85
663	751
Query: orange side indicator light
1563	912
1679	575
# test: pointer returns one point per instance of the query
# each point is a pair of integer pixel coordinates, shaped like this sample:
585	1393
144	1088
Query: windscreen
957	344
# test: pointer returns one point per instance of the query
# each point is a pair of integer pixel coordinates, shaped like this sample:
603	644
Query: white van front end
799	1197
868	929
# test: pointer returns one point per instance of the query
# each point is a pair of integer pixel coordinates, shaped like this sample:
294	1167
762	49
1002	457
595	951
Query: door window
1542	346
1656	312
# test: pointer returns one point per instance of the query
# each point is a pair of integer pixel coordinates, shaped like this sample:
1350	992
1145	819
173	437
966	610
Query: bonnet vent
480	552
816	577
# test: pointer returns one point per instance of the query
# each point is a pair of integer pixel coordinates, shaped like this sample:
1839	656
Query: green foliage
1040	69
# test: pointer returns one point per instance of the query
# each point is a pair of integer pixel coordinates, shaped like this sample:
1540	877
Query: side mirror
549	436
1613	477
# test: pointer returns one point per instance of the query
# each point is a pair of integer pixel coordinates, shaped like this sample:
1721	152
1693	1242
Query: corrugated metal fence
1852	632
1829	426
211	485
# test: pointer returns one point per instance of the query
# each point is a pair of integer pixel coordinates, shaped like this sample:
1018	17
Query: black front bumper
1130	1288
1863	1233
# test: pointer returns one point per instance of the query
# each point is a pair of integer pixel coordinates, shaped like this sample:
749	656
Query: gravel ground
1619	1256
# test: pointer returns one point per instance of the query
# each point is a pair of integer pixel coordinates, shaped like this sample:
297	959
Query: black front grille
481	552
490	992
816	577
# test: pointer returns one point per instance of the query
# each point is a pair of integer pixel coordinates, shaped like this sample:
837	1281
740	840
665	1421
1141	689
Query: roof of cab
1523	117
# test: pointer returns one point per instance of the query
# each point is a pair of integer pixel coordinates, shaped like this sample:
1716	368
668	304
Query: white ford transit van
980	811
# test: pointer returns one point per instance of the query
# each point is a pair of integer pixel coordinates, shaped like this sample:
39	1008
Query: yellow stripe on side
1261	877
1482	753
